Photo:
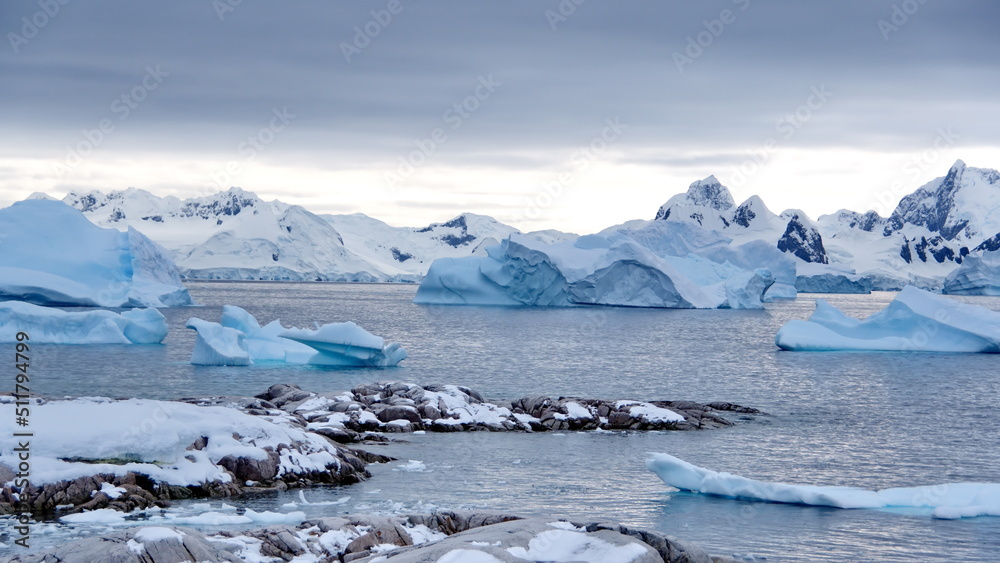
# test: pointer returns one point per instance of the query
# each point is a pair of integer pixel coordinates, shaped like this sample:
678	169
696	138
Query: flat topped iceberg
50	254
916	320
593	270
950	500
240	340
55	326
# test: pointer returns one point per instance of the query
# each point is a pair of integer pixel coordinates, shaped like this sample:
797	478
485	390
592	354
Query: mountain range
236	235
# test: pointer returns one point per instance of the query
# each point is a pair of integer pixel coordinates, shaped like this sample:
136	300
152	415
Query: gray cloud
556	85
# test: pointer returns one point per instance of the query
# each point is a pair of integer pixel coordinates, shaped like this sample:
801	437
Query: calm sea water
870	420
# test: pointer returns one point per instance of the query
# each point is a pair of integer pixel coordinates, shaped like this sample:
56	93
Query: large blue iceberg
50	254
916	320
593	270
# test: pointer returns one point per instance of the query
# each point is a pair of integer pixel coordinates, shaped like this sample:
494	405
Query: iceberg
55	326
347	344
240	340
949	500
593	270
217	345
916	320
50	254
978	275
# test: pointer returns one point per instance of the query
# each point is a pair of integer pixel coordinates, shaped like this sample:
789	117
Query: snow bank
978	275
50	254
154	438
47	325
916	320
240	340
593	270
950	500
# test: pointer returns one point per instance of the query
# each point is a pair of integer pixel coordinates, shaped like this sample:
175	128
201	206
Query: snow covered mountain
236	235
928	235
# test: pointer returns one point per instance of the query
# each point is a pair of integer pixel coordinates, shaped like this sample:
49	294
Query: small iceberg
240	340
55	326
916	320
950	500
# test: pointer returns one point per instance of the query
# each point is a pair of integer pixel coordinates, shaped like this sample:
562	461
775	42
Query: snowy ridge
236	235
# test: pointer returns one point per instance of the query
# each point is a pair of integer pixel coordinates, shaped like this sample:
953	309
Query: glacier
240	340
50	254
949	500
592	270
978	275
916	320
54	326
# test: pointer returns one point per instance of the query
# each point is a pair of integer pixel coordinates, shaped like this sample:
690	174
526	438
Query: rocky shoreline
287	437
415	538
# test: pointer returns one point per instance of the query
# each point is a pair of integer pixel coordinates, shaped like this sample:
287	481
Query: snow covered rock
978	275
916	320
50	254
802	240
55	326
443	536
240	340
163	448
949	500
593	270
135	545
396	406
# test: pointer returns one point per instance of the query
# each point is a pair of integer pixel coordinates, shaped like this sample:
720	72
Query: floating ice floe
916	320
949	500
593	270
240	340
50	254
55	326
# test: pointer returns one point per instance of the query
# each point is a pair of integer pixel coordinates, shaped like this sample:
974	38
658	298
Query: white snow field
916	320
153	438
949	500
239	340
50	254
55	326
593	270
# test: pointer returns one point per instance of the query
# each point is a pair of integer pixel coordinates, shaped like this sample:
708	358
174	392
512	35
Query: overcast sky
544	114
